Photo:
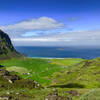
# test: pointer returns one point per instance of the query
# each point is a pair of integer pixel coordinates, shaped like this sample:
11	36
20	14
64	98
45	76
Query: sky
51	22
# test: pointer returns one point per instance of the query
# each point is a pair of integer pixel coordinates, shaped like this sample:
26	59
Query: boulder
3	72
73	92
54	96
12	78
5	98
8	76
31	83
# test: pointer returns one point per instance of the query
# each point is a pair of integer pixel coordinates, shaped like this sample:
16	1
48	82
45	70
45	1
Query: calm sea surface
59	52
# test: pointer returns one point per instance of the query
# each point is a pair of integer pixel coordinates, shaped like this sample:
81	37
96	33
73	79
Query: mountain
6	48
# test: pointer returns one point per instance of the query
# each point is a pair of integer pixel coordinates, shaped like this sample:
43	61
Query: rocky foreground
12	80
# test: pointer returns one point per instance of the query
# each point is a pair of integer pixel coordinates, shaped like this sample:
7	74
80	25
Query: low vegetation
73	79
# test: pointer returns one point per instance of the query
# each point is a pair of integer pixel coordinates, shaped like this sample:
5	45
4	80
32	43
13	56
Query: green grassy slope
80	75
85	74
40	70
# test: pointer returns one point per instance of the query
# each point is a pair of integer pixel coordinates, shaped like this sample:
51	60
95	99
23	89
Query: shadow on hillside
70	85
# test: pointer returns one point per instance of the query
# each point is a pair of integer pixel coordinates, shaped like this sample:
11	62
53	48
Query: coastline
52	58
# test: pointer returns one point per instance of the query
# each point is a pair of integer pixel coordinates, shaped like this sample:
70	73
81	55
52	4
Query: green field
80	75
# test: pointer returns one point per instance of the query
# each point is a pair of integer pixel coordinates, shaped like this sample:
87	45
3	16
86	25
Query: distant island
60	49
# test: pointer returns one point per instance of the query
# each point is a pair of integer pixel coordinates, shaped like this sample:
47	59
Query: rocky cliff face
6	47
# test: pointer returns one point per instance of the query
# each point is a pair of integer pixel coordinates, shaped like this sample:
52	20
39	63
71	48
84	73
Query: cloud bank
46	31
42	24
78	38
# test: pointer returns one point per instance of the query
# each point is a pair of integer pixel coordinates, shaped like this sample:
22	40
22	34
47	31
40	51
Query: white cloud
33	39
79	38
42	23
21	32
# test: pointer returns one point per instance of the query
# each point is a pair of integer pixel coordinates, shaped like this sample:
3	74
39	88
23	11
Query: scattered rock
87	63
54	96
12	78
69	72
68	98
80	79
30	84
8	93
49	61
73	92
17	93
27	83
3	72
5	98
26	73
8	76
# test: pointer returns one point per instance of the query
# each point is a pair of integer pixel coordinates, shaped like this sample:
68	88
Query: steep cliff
6	48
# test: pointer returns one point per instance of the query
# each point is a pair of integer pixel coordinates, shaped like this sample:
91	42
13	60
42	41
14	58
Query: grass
39	69
80	75
17	69
93	94
66	62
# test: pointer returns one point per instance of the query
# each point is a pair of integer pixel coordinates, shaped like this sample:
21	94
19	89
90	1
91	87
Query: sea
58	52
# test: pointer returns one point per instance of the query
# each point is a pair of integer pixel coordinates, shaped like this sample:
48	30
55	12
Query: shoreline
52	58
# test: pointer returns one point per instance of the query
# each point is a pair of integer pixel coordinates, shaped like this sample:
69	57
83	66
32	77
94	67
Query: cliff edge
7	49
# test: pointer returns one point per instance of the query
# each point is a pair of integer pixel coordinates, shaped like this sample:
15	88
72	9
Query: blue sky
51	22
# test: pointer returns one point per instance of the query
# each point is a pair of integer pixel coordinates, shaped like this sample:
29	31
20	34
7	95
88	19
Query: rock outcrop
8	76
6	47
5	98
16	80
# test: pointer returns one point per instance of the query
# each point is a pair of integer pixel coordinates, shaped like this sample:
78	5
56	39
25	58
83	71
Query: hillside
6	48
76	79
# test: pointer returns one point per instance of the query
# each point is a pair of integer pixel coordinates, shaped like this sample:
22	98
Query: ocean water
59	52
